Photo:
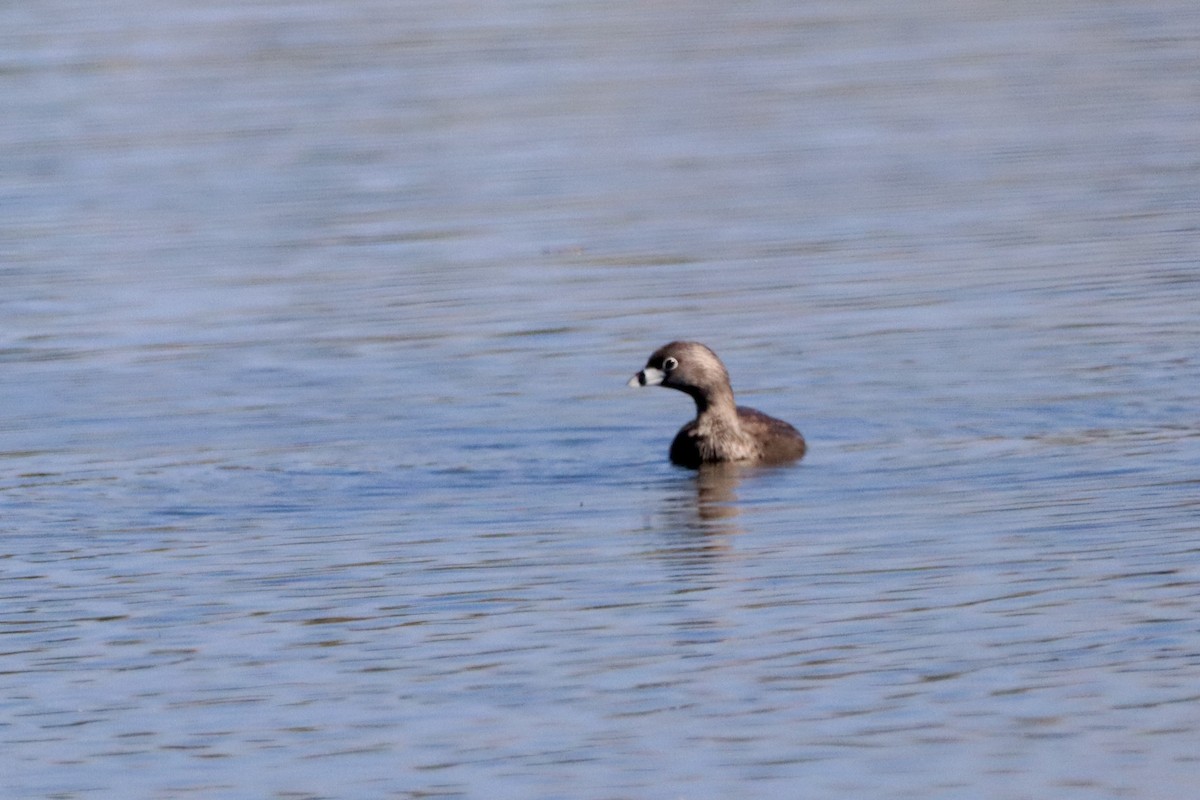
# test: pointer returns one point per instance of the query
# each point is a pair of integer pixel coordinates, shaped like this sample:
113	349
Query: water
319	473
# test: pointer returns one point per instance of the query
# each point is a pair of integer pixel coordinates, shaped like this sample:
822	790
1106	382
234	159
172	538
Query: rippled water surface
318	472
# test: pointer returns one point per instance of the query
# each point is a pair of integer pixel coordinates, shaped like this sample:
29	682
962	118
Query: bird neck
717	406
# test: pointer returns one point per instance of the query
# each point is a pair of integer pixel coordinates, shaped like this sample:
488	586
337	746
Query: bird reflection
716	497
700	516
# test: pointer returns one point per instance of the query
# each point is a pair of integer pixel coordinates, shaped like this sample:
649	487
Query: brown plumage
722	430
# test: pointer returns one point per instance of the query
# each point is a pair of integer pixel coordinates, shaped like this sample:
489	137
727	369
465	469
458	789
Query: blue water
318	472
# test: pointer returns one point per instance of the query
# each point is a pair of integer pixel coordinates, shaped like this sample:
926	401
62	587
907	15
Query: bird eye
669	363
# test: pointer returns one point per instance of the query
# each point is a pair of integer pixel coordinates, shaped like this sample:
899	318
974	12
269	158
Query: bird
722	430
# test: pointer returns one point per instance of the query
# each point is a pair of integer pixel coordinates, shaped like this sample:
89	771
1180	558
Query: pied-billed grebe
721	431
